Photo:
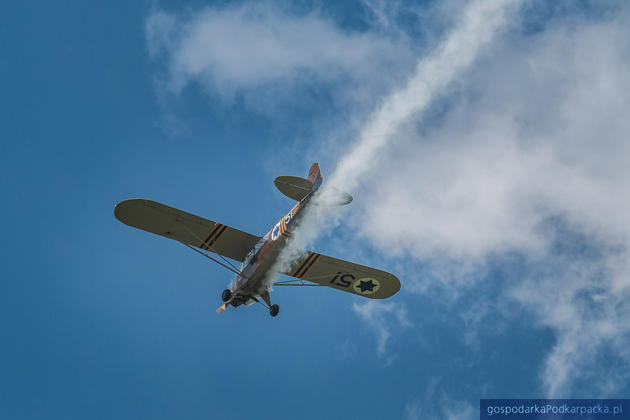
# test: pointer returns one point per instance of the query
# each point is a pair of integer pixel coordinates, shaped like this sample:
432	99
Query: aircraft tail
330	196
315	176
298	188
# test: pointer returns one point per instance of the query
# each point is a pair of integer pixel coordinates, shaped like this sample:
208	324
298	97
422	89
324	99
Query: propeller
222	308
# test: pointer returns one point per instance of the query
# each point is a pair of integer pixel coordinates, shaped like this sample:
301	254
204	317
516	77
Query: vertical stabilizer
315	176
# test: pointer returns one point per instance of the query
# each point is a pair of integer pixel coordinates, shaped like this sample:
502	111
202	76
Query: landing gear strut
226	295
273	309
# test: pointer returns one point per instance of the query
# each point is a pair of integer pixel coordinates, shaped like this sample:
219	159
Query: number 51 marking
344	280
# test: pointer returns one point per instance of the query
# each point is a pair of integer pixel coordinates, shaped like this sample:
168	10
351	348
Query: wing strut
298	285
295	283
215	260
232	268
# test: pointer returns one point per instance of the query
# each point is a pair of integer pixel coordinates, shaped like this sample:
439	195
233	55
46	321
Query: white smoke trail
477	26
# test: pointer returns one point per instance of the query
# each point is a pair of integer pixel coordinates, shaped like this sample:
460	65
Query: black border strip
306	260
306	269
217	226
216	237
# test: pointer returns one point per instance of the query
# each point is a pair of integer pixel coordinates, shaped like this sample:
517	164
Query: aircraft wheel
226	295
274	310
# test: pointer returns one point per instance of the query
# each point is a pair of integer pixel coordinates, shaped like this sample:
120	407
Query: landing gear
273	309
226	295
239	299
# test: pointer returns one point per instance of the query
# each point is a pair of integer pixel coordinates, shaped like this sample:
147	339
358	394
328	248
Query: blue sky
500	203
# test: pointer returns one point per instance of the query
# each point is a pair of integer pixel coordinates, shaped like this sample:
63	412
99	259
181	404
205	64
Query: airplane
258	255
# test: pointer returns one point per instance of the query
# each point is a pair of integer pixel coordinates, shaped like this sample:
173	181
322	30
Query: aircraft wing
185	227
346	276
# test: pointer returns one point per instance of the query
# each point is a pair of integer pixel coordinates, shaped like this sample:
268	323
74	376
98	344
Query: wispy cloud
380	317
436	405
576	296
262	45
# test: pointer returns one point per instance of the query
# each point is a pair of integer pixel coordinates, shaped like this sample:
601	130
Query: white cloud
532	157
256	45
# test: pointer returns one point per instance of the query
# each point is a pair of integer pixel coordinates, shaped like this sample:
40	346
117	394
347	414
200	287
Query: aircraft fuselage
256	274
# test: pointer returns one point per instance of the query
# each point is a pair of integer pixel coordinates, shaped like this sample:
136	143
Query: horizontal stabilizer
294	187
330	196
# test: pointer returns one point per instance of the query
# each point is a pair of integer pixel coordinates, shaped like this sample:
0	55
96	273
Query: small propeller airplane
257	254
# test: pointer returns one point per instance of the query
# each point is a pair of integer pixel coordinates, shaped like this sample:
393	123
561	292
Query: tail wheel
274	310
226	295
